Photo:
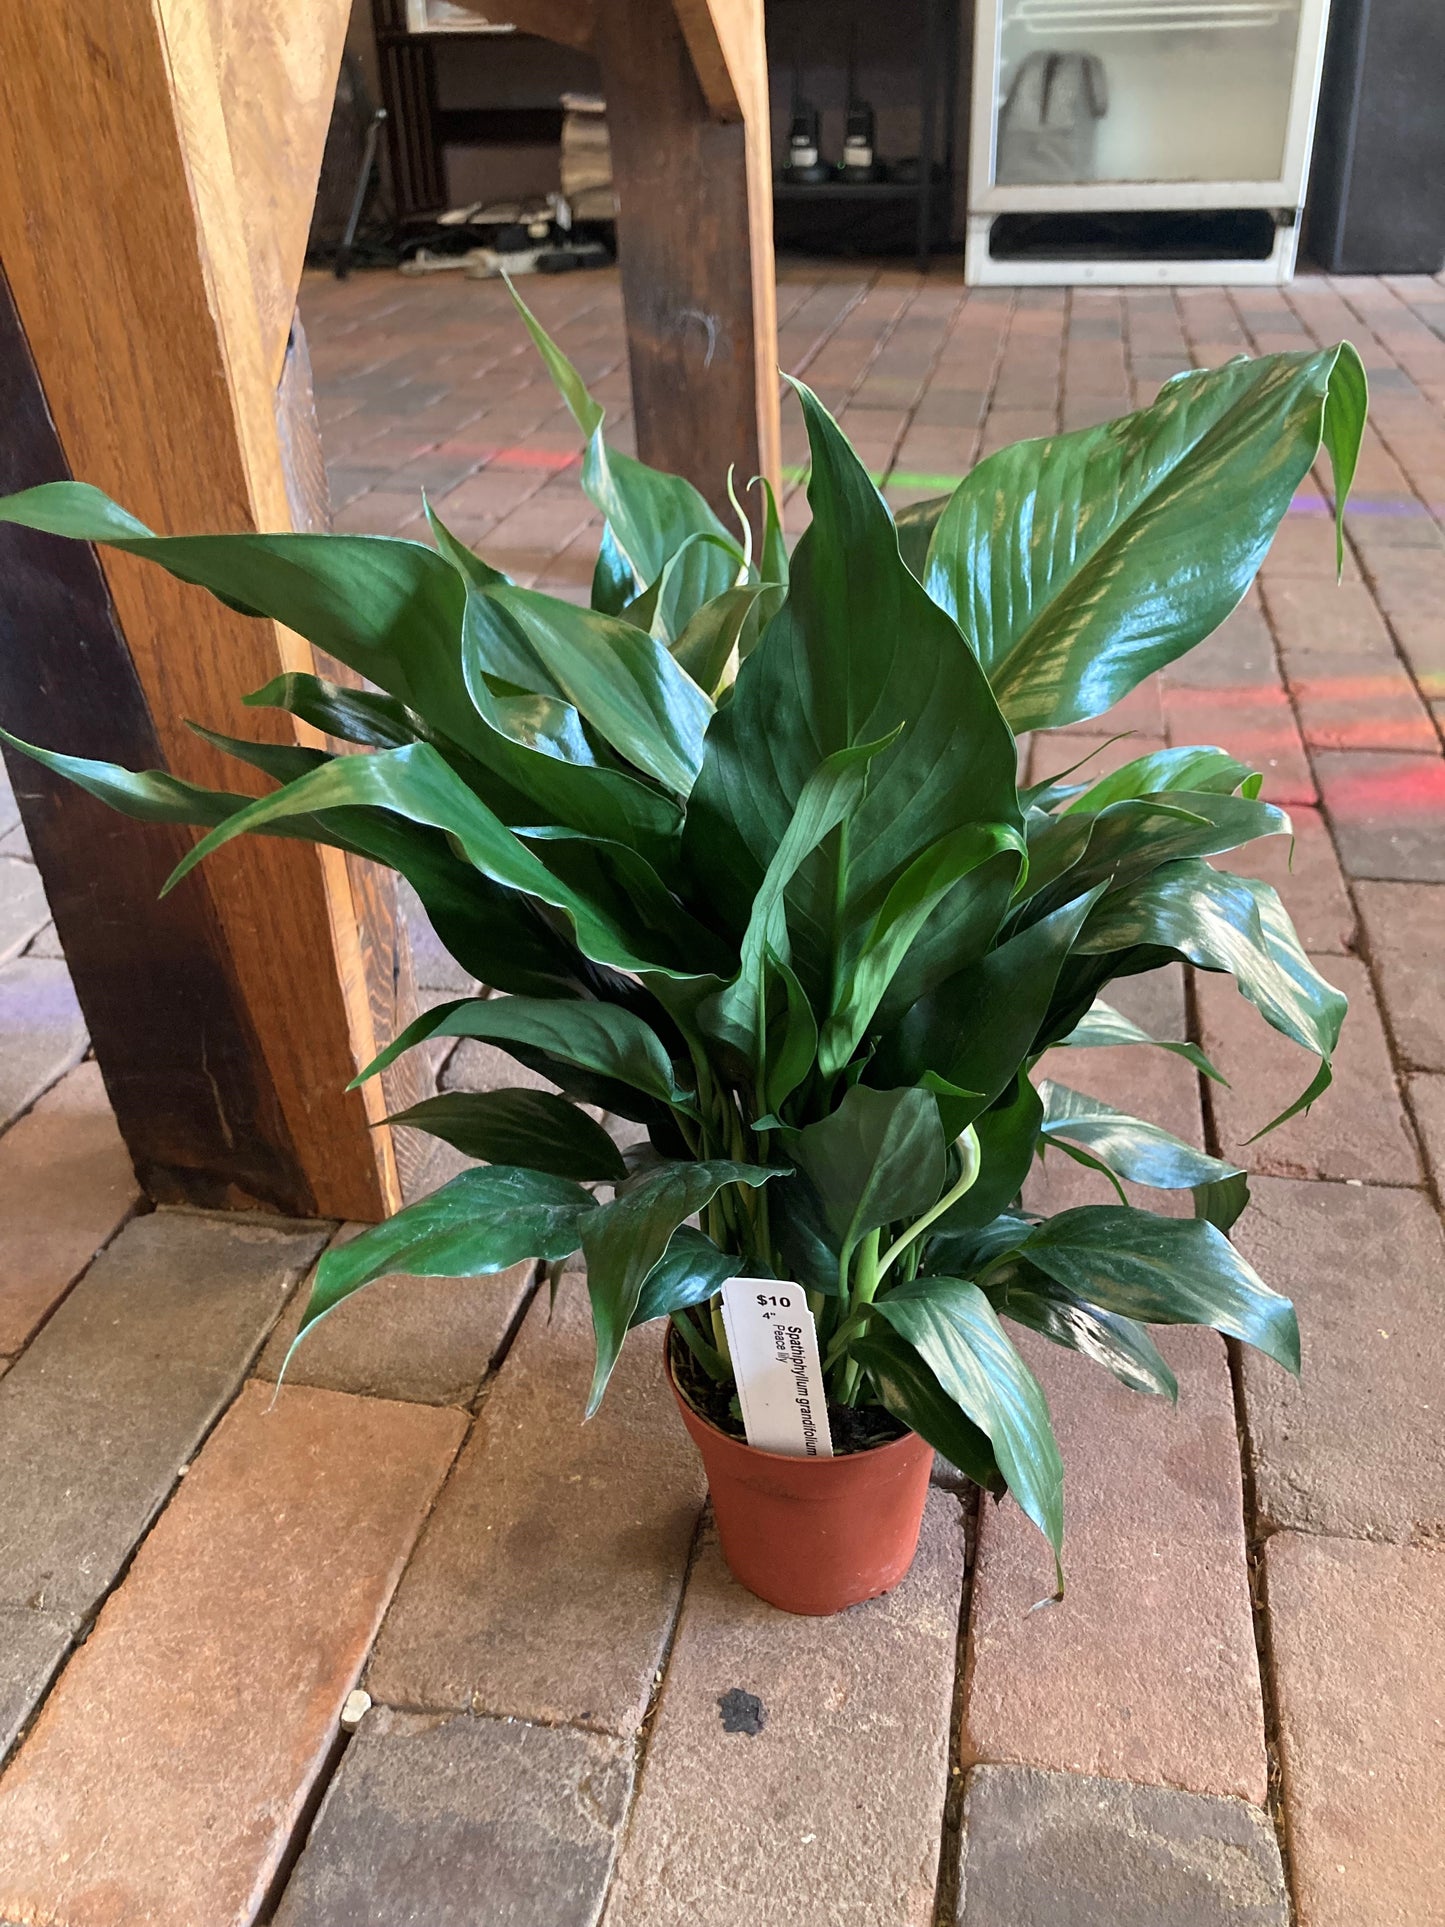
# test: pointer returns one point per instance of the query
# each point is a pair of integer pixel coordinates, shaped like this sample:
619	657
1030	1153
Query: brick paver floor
409	1643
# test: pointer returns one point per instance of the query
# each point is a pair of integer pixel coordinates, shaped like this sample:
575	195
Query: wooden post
157	165
687	110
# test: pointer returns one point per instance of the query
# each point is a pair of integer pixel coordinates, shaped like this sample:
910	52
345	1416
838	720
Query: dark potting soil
852	1428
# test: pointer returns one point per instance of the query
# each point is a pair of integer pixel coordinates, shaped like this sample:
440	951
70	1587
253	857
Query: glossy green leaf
866	978
877	1158
155	796
832	671
1227	923
688	1273
623	1240
830	795
773	562
728	625
916	524
1164	1271
1130	838
1222	1201
282	761
483	1221
649	514
955	1330
355	715
419	785
537	745
151	796
705	567
390	609
1061	558
1102	1027
502	938
1131	1147
623	681
613	583
977	1027
792	1034
1121	1345
530	1128
469	566
1166	771
601	1039
912	1393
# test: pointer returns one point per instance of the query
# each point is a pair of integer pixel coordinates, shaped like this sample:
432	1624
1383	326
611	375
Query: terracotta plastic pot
813	1535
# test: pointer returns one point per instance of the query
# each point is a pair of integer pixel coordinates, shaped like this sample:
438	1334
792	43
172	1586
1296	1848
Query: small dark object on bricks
741	1712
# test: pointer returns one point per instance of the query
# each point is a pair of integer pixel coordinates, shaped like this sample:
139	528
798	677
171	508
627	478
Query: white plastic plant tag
774	1344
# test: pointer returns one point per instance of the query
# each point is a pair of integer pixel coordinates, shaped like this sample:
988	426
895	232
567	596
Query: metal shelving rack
932	192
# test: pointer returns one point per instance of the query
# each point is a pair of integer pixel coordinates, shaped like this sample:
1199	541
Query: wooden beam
695	241
269	71
135	290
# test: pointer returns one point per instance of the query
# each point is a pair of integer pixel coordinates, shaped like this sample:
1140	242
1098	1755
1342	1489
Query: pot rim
757	1451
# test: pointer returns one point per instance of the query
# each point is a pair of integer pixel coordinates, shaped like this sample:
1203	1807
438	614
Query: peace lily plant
743	851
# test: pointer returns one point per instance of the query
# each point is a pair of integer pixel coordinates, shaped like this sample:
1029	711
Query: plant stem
710	1360
972	1158
866	1279
719	1333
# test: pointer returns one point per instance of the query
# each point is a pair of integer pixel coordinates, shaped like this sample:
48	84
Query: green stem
972	1158
866	1280
711	1361
719	1333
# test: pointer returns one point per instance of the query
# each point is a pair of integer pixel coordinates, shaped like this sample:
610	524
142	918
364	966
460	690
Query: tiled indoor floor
1235	1717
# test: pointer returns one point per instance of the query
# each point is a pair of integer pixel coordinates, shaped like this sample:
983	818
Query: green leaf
1130	1147
624	1240
1127	839
1227	923
1222	1201
603	1039
916	524
282	761
536	744
705	567
830	795
355	715
833	670
877	1158
470	567
1164	1271
919	891
955	1330
151	796
419	785
626	684
730	622
773	564
486	1220
1125	1348
688	1273
1346	404
792	1034
1061	558
613	583
977	1027
531	1128
1164	771
390	609
911	1392
1102	1027
649	515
